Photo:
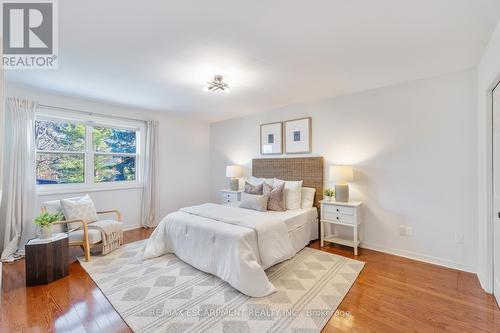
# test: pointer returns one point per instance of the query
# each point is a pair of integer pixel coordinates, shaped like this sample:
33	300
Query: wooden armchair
81	235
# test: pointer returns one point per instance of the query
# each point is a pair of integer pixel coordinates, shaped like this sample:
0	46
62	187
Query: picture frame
298	136
271	138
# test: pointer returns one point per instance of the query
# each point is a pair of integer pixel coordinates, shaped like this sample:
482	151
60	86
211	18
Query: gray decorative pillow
276	197
254	201
253	189
79	209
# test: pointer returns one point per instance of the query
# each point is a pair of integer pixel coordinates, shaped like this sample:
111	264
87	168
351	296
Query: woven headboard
308	169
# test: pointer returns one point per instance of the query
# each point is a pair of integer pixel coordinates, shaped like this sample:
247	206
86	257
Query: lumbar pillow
276	196
253	189
307	194
79	209
292	193
253	201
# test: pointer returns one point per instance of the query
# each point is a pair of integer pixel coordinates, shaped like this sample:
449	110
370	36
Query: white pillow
293	193
307	197
257	181
80	209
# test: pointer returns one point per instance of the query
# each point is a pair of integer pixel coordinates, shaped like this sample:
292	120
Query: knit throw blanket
111	234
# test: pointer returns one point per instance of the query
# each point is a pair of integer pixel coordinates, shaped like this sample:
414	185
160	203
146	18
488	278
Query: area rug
167	295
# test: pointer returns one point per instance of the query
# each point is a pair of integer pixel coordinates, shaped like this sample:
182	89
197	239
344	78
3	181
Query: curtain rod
89	113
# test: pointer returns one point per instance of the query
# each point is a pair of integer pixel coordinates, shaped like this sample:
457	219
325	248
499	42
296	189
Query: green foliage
329	192
45	219
59	165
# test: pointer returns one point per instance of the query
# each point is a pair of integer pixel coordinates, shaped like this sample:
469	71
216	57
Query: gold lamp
341	175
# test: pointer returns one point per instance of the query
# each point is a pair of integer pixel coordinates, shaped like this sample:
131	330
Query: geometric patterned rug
167	295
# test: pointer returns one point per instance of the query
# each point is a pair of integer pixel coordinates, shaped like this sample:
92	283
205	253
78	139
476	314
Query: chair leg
86	251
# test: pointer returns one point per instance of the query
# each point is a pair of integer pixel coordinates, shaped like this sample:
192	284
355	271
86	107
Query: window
60	154
114	154
78	152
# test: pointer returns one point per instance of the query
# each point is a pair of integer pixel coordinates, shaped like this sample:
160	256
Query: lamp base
342	193
234	184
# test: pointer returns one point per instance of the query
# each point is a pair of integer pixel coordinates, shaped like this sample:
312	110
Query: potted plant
329	194
44	222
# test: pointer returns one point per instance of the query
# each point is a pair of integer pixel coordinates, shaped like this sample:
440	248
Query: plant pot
46	232
328	198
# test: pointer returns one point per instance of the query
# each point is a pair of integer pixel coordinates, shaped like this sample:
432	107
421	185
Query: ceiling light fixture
218	84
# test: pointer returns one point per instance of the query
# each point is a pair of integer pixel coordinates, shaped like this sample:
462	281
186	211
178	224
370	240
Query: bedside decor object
233	172
341	175
328	193
271	138
228	196
340	215
46	260
298	136
44	223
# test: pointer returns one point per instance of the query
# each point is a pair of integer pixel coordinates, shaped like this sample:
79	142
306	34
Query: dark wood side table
46	262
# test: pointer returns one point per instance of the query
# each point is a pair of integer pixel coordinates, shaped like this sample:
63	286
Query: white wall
413	147
488	77
184	149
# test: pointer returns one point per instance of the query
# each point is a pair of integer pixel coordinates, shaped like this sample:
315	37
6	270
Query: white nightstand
228	196
345	214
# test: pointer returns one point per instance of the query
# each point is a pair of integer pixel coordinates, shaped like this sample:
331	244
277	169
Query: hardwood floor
392	294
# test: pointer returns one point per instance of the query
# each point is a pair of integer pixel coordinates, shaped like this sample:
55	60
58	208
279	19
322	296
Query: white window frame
91	121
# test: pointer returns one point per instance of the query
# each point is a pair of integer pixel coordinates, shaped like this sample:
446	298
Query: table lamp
233	172
340	175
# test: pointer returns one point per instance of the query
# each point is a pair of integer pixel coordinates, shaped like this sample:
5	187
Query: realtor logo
29	32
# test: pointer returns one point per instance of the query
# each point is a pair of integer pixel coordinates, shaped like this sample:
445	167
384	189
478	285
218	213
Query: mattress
302	224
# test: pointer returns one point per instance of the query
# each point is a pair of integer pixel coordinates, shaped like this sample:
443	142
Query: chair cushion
94	234
77	236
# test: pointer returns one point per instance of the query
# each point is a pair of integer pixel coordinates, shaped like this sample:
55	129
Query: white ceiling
157	54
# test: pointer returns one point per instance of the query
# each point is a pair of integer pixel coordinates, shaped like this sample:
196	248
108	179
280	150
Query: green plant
329	192
45	219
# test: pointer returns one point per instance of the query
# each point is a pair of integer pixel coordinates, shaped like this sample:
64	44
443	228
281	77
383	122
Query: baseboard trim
420	257
132	227
485	284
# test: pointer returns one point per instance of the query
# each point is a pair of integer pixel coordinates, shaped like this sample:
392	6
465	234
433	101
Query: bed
236	244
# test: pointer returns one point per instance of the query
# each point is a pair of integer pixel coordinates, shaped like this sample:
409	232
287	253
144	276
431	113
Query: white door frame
494	210
485	201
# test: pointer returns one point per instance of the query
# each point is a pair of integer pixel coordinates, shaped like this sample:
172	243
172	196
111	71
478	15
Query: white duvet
233	243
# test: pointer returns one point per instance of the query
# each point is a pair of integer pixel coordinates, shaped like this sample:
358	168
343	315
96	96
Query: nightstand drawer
333	209
230	196
341	218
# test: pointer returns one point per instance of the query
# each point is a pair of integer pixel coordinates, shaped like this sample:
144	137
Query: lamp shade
341	174
233	171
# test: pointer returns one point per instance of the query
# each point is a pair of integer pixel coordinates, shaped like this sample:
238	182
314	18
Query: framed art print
271	138
298	136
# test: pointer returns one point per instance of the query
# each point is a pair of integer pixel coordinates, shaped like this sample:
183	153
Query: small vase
46	232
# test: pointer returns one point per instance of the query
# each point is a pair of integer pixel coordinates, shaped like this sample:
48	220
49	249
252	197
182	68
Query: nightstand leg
355	239
321	233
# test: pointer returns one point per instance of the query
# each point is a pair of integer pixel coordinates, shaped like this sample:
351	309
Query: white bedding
233	243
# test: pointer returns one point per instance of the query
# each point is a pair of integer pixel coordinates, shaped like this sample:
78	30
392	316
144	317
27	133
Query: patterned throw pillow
253	189
80	209
276	197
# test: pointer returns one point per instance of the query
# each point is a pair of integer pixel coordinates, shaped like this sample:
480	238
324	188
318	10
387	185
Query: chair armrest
116	211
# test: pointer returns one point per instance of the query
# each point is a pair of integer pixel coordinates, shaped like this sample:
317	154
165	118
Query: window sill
62	189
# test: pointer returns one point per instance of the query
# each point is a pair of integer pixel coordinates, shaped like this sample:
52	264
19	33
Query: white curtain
18	206
150	211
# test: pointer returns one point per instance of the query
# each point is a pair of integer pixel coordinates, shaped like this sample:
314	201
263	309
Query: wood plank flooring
392	294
